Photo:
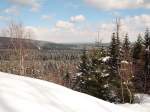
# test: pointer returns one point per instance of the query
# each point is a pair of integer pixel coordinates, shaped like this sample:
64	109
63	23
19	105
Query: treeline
117	73
50	65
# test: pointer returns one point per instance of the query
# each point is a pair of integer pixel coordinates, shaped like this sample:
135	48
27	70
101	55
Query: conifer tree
83	67
137	49
114	55
147	38
147	61
94	81
114	80
126	49
98	79
138	64
119	88
83	73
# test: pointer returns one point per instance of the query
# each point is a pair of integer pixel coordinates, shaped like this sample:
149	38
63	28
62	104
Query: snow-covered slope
22	94
142	105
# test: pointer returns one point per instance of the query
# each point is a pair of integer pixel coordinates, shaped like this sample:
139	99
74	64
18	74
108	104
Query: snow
105	74
142	98
125	62
79	74
148	49
138	107
142	103
104	59
23	94
106	85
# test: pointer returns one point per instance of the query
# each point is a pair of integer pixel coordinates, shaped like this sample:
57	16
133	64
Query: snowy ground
142	106
22	94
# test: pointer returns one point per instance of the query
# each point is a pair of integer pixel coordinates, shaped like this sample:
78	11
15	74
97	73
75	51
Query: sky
73	21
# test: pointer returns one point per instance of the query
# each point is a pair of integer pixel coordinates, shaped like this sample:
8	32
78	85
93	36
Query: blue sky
77	20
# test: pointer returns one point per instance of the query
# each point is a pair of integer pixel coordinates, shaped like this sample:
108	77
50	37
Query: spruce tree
94	81
137	49
147	62
138	64
98	79
114	63
83	73
147	38
141	56
126	48
113	49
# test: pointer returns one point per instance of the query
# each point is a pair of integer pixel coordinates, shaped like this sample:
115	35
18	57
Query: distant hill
9	43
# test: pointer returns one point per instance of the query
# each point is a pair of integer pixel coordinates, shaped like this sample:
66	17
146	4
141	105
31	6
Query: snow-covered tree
98	84
93	75
114	54
114	63
83	73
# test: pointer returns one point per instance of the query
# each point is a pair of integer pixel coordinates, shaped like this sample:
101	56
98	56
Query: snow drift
23	94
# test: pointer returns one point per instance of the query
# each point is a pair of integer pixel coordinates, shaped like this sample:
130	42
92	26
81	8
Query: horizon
69	21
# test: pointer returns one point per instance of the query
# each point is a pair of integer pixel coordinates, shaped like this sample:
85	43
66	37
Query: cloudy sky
77	20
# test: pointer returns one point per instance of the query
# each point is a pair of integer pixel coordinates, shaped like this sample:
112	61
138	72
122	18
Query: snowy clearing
23	94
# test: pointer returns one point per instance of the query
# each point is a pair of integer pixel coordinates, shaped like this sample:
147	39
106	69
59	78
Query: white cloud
143	19
70	24
119	4
34	4
65	31
35	7
4	18
64	25
78	18
46	17
12	10
72	5
133	25
61	36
